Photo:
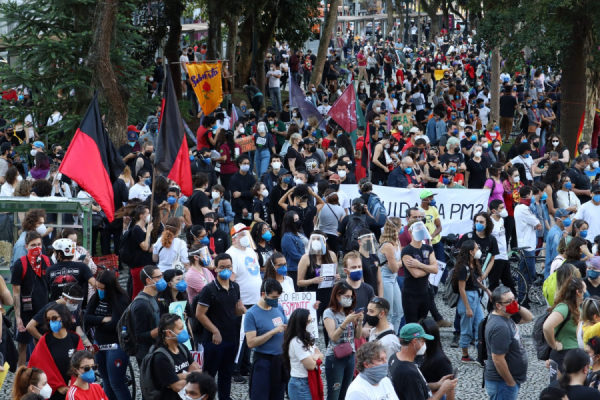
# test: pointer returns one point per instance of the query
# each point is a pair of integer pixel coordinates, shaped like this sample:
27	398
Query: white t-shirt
484	114
500	234
527	162
138	191
182	60
274	76
166	255
343	199
390	342
297	353
525	221
7	190
288	285
360	389
247	274
590	213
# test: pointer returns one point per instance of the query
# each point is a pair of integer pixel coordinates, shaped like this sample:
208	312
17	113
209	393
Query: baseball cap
414	129
237	228
561	212
335	177
593	154
358	202
595	189
449	172
282	171
132	136
413	331
39	144
308	141
5	147
425	194
132	128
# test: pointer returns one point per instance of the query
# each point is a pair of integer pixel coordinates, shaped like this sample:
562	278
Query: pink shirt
196	281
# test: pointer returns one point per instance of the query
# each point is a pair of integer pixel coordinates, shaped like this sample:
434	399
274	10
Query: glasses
507	301
87	368
157	277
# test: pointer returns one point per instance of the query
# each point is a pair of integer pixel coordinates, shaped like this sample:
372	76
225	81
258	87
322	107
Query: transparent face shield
245	239
419	231
367	244
317	245
204	256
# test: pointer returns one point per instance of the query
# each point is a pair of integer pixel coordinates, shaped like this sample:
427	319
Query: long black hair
433	346
288	224
325	259
113	292
230	143
575	360
489	225
168	276
464	260
167	322
296	328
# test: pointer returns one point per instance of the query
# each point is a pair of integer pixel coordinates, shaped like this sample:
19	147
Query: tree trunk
173	12
116	95
592	93
431	10
573	85
232	27
214	12
244	66
494	86
390	17
401	15
328	28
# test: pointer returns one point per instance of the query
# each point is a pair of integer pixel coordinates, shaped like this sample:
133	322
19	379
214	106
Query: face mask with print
346	302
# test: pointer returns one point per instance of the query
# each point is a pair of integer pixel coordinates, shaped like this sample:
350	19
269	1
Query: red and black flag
172	154
92	160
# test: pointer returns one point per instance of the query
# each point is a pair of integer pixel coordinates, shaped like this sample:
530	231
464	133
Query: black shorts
24	337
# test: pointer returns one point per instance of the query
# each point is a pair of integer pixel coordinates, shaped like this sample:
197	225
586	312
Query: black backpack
126	328
356	223
147	381
126	248
541	346
482	355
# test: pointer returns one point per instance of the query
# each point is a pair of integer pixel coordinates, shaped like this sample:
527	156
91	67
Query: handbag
343	349
177	264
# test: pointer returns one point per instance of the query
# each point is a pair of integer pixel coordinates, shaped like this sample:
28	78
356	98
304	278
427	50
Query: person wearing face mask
240	187
594	166
52	352
465	281
506	369
270	179
83	368
560	328
142	189
580	181
406	378
589	212
203	163
223	208
501	271
77	270
578	370
143	160
219	306
30	380
176	291
265	146
347	176
526	223
130	150
169	360
508	105
477	167
381	330
555	234
200	386
372	382
354	277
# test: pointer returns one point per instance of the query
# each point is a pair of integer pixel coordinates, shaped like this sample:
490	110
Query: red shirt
95	392
362	60
202	137
399	76
457	178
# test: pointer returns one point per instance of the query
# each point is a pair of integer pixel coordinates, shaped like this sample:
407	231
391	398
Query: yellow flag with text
206	81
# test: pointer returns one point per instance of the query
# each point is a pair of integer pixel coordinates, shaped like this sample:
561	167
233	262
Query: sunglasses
87	368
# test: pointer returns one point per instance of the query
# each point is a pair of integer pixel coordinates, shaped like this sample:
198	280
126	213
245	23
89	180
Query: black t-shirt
197	201
97	310
126	150
312	162
307	216
435	369
364	294
477	170
66	272
31	286
486	244
40	318
142	258
411	284
260	206
264	253
370	266
582	392
507	105
592	290
61	351
220	239
165	375
467	274
408	381
294	155
446	157
221	305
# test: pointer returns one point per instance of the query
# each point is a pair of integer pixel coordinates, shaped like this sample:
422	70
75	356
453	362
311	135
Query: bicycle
528	287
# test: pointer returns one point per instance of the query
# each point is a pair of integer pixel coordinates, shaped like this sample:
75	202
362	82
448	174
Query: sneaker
239	379
444	324
455	340
469	360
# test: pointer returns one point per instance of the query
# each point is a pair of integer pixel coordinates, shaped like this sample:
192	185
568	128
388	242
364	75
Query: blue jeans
501	391
219	358
275	94
391	291
528	264
338	373
438	250
112	365
298	389
469	325
294	76
262	159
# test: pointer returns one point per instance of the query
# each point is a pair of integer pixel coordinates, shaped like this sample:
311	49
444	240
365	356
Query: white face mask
245	168
241	129
362	86
376	122
265	193
276	165
497	148
478	254
422	350
294	115
595	249
377	109
586	151
245	241
215	195
517	179
595	165
148	219
477	154
342	174
20	178
313	90
485	145
461	124
33	152
503	213
46	391
298	181
554	143
41	229
395	148
72	307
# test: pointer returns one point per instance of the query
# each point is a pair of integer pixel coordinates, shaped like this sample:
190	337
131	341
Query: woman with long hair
42	166
300	354
577	252
229	151
141	231
222	207
276	268
309	273
342	325
565	197
560	328
176	291
329	218
170	249
496	153
555	143
103	313
83	368
575	372
11	181
293	159
390	263
494	183
262	235
592	348
260	202
589	326
293	243
127	177
52	352
465	282
200	273
30	380
435	363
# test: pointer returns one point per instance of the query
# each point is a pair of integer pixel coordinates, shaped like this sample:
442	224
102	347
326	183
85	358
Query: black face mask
147	153
312	149
334	186
456	150
298	224
430	158
536	144
372	320
209	226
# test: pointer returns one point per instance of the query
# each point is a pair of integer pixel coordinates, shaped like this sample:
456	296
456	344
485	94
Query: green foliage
295	19
48	45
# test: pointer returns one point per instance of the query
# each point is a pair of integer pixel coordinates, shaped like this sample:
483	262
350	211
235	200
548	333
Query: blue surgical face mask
132	144
455	131
473	137
453	169
408	170
205	241
544	196
568	185
182	337
89	376
225	274
445	181
454	116
597	198
432	203
267	236
593	274
181	286
192	158
583	234
161	285
282	270
525	155
207	161
479	227
271	302
287	180
356	275
171	200
535	106
55	326
148	182
101	294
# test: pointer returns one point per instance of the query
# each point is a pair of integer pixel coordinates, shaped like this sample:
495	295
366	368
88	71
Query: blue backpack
377	210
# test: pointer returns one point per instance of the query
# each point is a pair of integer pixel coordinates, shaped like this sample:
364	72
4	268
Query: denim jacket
224	211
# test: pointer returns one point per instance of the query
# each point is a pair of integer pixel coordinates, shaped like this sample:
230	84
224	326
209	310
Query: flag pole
153	184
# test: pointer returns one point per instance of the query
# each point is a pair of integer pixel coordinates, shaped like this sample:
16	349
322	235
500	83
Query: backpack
126	329
24	263
449	297
482	355
376	209
126	250
149	389
541	346
356	223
